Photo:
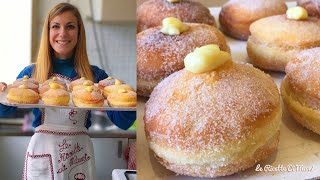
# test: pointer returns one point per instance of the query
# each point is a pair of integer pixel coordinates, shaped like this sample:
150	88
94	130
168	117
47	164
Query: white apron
60	149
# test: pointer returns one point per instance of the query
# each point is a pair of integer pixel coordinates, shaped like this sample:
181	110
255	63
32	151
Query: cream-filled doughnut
80	82
216	122
236	16
29	80
300	88
312	6
160	54
22	95
107	82
28	84
87	98
56	96
115	88
122	98
277	39
151	13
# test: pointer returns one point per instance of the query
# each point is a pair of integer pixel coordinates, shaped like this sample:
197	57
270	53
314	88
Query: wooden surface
297	157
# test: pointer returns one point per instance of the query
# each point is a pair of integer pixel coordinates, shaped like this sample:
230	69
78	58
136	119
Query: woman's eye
55	27
70	27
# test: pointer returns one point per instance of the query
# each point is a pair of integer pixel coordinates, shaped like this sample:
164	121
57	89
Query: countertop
297	156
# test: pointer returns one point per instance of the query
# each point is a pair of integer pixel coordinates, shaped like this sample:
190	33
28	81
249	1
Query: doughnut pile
213	118
24	91
300	88
161	50
84	93
236	16
151	13
275	40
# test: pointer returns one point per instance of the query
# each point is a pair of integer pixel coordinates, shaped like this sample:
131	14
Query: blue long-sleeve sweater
122	119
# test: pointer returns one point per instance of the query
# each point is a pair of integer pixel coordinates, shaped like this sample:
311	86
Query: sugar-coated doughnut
107	82
236	16
55	80
275	40
115	88
29	80
159	54
28	84
300	88
22	95
151	13
214	123
312	6
45	87
56	96
80	82
87	98
122	98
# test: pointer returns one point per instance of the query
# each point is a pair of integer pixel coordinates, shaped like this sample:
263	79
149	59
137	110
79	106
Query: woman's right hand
3	87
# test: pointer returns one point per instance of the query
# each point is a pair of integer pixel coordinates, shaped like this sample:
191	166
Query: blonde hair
43	66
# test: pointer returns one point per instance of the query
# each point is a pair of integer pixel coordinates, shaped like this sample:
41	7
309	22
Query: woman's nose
63	32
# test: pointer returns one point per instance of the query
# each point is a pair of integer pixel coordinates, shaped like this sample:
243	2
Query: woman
60	147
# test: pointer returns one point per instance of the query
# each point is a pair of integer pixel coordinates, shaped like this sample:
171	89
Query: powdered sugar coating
152	12
256	5
303	76
199	111
159	55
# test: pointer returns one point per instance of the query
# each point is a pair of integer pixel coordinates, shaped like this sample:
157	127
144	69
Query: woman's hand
3	87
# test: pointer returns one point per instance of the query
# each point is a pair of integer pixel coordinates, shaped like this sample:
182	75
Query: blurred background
110	33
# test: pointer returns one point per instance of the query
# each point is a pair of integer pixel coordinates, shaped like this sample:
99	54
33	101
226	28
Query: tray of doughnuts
108	94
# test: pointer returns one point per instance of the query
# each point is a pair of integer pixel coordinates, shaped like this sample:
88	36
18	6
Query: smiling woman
63	34
61	149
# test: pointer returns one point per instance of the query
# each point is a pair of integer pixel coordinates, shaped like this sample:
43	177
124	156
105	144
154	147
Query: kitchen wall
15	35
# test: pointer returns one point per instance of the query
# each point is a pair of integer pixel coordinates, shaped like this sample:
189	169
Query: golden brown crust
45	87
159	55
299	108
78	87
312	6
275	40
302	74
152	12
56	97
127	99
22	96
290	34
114	88
57	81
29	79
201	112
84	98
269	57
79	82
107	82
28	85
236	16
205	171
